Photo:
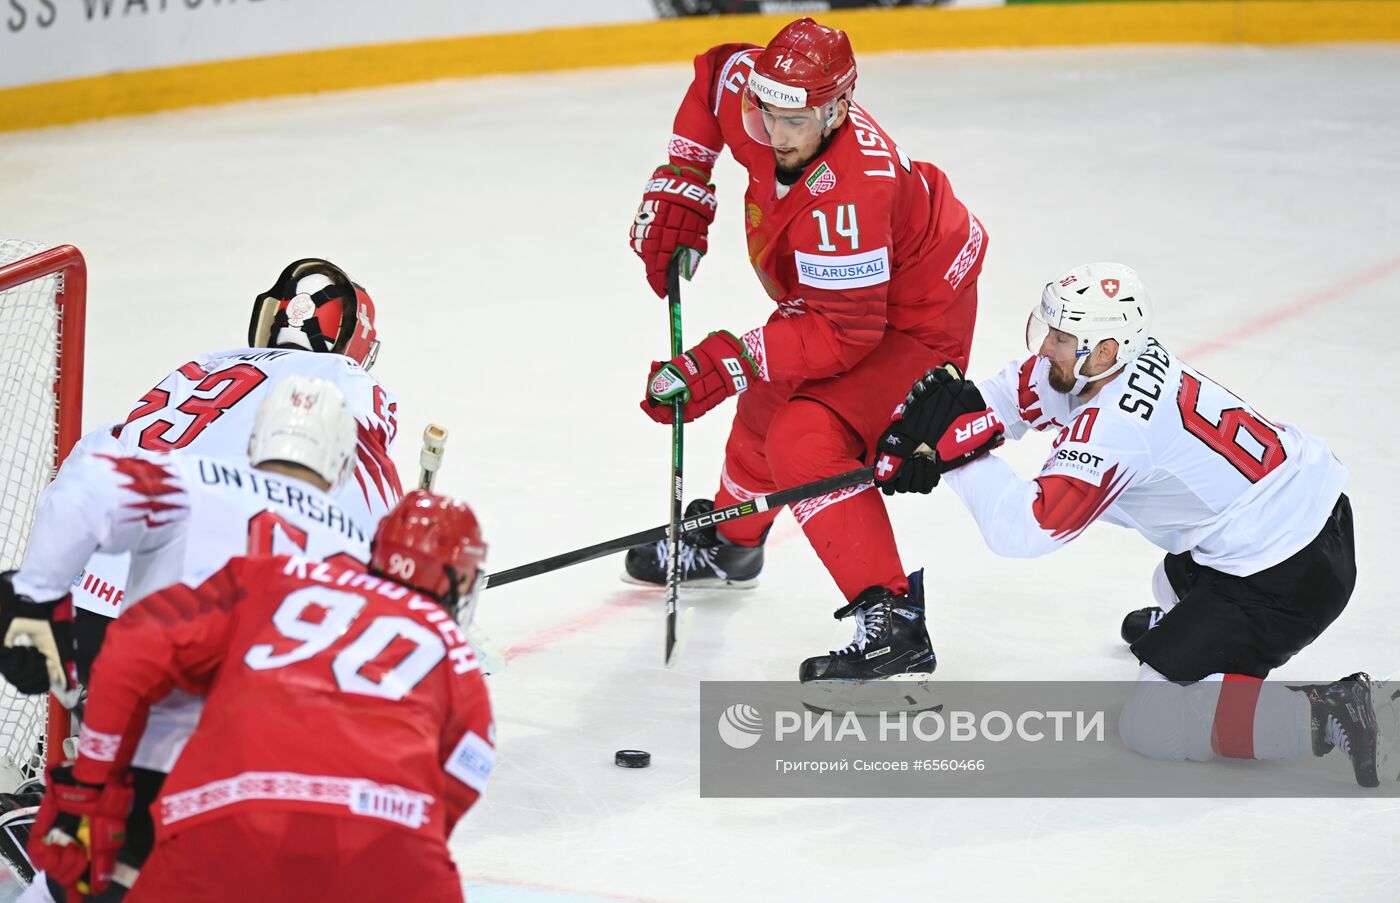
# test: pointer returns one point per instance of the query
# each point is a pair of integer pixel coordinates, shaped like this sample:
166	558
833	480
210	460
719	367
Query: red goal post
43	301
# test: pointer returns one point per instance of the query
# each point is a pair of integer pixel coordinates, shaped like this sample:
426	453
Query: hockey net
42	305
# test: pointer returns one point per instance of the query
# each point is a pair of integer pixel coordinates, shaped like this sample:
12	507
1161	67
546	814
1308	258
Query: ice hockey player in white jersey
1258	533
313	321
181	516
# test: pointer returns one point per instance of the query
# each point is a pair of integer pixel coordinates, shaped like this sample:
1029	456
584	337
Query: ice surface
1256	190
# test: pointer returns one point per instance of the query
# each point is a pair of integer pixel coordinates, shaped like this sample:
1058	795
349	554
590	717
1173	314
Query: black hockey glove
921	444
37	655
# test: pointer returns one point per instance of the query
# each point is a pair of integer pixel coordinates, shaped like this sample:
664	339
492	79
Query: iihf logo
740	726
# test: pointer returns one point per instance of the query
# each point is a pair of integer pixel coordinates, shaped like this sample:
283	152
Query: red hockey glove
945	416
701	378
674	218
79	829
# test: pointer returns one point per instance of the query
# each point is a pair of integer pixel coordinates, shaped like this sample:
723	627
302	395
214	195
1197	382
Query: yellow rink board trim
675	40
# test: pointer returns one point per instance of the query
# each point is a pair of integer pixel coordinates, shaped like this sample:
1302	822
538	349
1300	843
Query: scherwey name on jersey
1146	382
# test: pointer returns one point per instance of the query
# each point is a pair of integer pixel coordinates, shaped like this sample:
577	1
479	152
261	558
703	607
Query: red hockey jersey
329	691
867	239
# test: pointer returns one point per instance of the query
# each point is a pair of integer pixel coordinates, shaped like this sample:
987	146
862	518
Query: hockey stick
493	661
688	525
430	458
673	535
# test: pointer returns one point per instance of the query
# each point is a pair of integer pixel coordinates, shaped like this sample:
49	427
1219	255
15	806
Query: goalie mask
305	421
314	305
432	544
1094	302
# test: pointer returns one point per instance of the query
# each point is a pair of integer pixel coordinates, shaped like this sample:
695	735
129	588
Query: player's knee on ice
1165	720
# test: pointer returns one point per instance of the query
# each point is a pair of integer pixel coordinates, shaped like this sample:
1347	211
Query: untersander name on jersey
282	493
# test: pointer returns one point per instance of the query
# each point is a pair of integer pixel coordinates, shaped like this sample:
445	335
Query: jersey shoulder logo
822	179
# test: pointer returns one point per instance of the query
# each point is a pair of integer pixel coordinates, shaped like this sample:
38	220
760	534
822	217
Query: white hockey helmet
305	421
1094	302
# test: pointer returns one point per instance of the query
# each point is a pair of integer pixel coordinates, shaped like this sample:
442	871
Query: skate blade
695	584
1385	699
902	693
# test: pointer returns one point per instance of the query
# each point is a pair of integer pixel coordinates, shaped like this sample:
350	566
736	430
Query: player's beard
1062	380
789	173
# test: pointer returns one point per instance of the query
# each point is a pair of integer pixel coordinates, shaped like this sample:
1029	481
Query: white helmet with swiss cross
1094	302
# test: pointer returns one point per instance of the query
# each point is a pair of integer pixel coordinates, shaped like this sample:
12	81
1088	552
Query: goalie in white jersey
1250	511
313	321
182	516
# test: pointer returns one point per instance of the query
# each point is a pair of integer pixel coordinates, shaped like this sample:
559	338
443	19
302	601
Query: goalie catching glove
37	656
701	378
944	424
673	220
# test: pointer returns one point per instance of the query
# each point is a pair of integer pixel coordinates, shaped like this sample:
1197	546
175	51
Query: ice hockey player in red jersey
346	726
313	321
1258	533
181	516
873	265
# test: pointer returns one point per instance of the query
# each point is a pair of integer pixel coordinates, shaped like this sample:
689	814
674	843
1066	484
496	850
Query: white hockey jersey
208	405
181	517
1162	449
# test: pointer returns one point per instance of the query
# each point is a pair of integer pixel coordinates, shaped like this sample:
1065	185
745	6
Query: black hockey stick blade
688	525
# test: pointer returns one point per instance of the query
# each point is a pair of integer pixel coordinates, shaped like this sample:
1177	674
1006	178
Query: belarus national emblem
822	179
1109	286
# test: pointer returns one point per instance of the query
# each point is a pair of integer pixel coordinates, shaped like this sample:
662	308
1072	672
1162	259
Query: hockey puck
632	758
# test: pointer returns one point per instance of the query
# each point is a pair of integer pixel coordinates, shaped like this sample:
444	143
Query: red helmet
315	305
431	543
815	63
796	82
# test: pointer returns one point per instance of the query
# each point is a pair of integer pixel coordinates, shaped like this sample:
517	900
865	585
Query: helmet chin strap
1081	382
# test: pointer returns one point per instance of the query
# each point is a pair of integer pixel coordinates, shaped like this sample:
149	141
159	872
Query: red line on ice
585	621
1302	305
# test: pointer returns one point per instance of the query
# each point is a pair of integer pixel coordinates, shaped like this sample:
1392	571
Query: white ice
1256	190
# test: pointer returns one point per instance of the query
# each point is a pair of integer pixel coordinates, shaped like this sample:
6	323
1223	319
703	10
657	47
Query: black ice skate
1344	717
706	561
1137	623
891	641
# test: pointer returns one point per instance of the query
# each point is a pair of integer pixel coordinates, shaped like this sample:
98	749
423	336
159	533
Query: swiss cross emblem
1109	286
885	466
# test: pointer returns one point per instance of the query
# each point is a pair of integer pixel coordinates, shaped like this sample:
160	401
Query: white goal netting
30	337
